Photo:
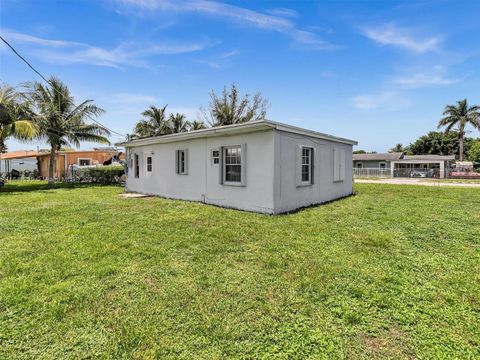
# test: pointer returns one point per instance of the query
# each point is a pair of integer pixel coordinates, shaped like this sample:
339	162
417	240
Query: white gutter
234	129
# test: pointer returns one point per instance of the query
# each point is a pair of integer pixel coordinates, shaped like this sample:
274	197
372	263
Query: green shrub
102	174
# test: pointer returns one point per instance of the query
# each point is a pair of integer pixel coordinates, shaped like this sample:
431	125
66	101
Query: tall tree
459	116
153	123
60	121
231	108
438	143
178	123
15	117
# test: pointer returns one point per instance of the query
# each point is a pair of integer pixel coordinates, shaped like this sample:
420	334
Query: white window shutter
221	163
312	167
176	162
298	165
243	160
185	152
342	165
335	164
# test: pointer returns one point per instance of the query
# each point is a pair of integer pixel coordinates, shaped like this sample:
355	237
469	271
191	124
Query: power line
48	82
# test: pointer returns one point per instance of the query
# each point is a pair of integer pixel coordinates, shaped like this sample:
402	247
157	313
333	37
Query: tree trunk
51	165
460	146
1	152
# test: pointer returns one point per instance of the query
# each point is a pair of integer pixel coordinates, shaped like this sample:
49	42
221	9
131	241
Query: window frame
89	160
223	172
178	161
136	166
299	164
382	163
359	163
147	164
310	165
213	157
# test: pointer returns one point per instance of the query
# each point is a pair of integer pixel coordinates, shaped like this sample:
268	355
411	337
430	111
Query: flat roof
251	126
79	152
20	154
377	156
429	157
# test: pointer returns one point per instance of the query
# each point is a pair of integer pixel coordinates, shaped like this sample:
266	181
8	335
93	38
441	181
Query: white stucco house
260	166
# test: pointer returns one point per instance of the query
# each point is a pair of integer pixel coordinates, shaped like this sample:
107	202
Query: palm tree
154	123
460	116
178	123
229	108
15	117
197	125
397	148
60	121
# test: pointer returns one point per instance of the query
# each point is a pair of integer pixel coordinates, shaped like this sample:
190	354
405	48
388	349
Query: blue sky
379	72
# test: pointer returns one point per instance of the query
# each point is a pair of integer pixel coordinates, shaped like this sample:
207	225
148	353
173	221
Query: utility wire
48	82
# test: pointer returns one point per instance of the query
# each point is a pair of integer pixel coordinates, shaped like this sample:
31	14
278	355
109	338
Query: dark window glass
149	163
306	164
233	164
137	166
216	157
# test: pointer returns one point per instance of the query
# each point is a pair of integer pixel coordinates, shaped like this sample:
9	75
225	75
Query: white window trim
243	163
177	162
212	163
136	163
89	159
148	173
298	165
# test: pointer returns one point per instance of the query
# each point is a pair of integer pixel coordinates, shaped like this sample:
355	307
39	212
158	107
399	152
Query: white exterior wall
202	183
288	195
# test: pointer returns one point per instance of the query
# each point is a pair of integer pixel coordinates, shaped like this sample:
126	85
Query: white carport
437	164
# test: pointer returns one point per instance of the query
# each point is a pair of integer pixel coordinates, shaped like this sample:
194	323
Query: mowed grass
393	271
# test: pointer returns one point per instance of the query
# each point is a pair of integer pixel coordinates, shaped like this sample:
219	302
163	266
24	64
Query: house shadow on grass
41	186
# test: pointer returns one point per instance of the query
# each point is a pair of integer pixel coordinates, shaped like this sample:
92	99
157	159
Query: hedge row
101	174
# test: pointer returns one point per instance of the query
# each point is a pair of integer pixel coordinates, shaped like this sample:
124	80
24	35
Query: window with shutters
338	164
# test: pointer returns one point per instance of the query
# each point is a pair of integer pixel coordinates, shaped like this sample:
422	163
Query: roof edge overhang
248	127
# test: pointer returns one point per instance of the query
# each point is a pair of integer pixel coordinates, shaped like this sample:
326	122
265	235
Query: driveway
400	181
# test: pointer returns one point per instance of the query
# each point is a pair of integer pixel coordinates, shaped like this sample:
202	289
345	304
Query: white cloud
126	54
278	21
390	34
284	12
386	101
437	76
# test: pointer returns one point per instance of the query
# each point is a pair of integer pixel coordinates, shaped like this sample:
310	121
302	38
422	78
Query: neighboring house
18	160
66	161
402	165
375	161
261	166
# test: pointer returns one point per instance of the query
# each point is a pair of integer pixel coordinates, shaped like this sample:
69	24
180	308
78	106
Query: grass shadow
29	186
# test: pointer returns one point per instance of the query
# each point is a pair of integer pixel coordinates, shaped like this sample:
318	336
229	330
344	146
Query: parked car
418	173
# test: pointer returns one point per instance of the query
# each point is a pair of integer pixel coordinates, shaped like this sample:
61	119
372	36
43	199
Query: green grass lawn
391	272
